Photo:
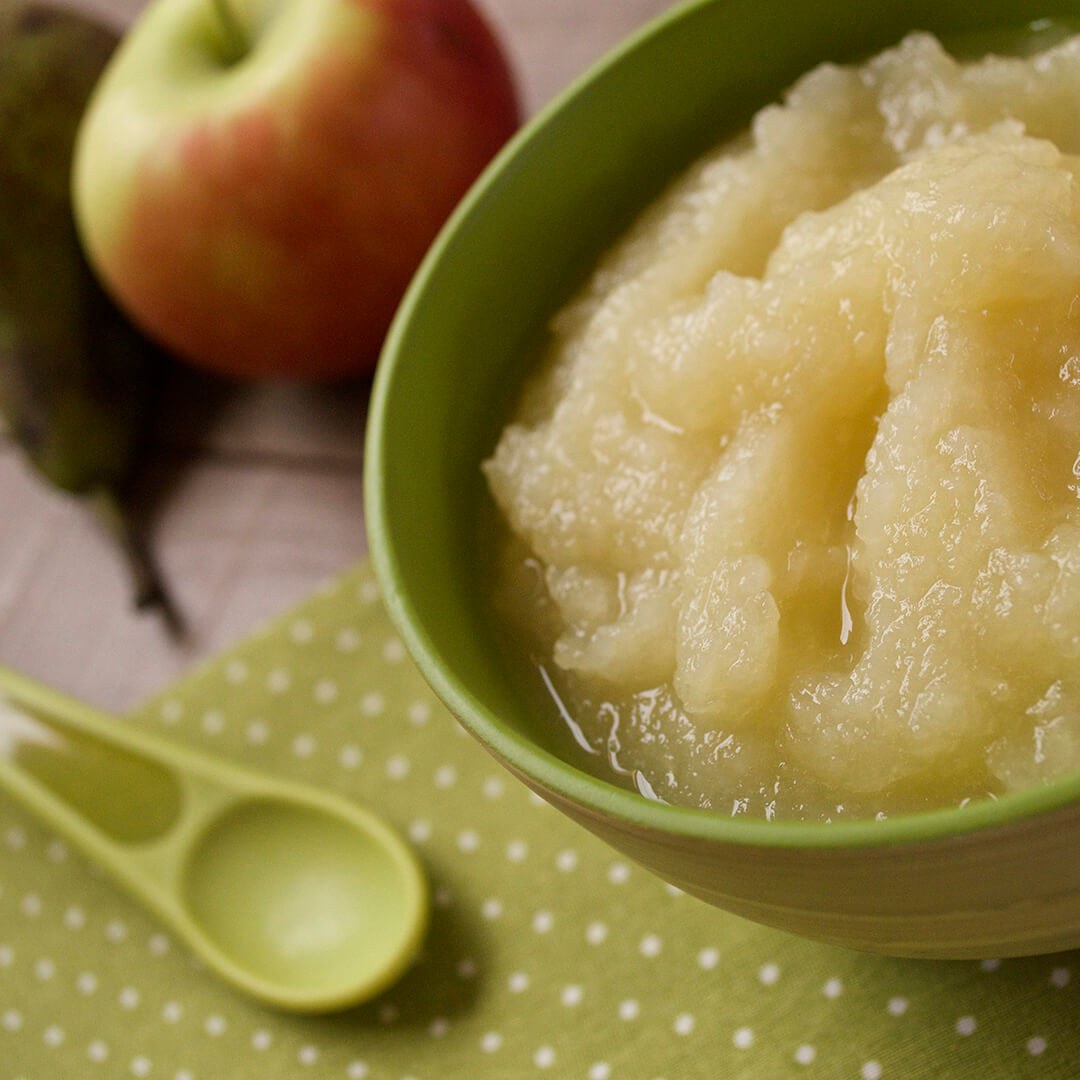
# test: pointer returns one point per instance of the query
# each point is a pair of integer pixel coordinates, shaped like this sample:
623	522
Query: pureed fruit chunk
797	486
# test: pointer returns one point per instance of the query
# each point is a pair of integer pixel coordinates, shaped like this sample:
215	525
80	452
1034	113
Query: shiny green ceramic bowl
997	878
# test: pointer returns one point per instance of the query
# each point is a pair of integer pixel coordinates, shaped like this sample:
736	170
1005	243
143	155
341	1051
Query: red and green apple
255	181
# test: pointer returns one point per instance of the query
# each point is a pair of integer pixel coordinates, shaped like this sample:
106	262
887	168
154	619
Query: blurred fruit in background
76	378
257	180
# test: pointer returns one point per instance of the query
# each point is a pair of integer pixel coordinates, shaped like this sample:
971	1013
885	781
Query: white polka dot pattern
549	954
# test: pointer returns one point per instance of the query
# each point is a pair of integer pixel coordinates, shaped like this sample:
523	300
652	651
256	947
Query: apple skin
262	216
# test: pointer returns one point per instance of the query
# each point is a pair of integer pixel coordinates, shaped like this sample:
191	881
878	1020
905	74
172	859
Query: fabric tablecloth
549	955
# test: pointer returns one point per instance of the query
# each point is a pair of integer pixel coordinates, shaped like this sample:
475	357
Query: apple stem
236	42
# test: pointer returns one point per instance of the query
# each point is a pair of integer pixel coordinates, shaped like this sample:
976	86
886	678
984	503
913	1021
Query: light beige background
252	494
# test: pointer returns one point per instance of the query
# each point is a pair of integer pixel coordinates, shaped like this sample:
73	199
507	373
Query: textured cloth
549	955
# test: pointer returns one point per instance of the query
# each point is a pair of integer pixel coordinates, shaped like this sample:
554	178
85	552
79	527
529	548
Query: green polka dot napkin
549	955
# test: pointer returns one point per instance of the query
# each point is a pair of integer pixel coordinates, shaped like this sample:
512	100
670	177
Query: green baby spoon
299	898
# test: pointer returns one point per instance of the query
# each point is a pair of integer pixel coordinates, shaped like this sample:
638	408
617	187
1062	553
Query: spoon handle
126	801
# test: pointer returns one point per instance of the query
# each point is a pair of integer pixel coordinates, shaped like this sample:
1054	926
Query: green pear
75	378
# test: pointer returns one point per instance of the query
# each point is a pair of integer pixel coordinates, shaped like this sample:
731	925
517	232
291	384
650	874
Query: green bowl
994	878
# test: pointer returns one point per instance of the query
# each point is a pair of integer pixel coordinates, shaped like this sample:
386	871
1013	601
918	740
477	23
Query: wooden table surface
252	494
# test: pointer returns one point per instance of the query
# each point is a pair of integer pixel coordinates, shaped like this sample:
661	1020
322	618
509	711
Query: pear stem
236	42
149	589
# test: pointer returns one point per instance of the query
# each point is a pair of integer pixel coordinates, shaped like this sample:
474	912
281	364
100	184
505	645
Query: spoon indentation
295	894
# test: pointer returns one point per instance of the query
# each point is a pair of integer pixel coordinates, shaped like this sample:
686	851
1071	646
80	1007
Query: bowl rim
526	758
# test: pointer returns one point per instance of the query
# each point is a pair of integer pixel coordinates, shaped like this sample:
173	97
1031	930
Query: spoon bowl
315	892
298	898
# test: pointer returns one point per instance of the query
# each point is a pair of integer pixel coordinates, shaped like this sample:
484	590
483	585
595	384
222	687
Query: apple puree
793	500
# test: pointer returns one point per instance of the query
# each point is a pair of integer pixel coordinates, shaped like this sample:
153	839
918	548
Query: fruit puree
794	499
